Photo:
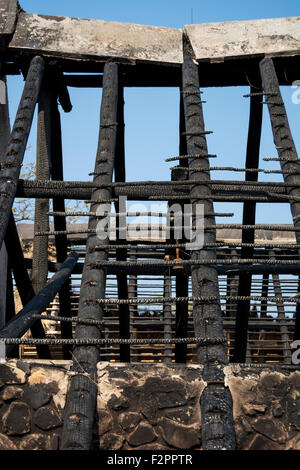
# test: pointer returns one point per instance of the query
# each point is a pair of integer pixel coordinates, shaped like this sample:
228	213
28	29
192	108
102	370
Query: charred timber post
121	254
285	146
244	289
167	312
41	218
82	394
18	140
23	281
216	400
4	136
61	242
24	320
182	280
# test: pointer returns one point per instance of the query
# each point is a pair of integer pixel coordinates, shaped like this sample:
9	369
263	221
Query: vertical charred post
244	289
286	149
17	141
167	311
41	217
82	394
61	242
121	254
216	401
4	136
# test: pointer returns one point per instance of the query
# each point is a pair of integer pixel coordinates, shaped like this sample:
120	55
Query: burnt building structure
196	321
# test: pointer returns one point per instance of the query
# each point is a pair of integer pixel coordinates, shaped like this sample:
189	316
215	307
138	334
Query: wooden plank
97	39
238	39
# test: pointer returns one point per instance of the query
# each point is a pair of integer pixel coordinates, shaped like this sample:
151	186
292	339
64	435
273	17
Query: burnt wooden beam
167	314
182	280
24	320
61	241
39	273
215	401
249	209
82	190
264	293
10	301
23	282
232	287
78	432
121	254
281	316
4	136
285	147
9	11
17	142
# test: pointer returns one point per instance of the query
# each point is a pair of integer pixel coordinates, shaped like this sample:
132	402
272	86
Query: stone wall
157	406
32	398
147	406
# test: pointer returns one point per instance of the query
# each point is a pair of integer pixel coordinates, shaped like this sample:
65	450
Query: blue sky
152	114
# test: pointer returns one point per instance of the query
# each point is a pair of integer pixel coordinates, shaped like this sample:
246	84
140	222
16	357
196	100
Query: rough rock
263	443
6	443
12	375
12	393
181	415
24	366
294	412
46	418
252	409
152	446
111	441
143	434
178	435
105	422
271	429
16	420
118	403
38	395
39	442
129	421
277	410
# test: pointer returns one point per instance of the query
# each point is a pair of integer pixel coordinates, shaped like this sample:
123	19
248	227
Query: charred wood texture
285	146
24	320
244	289
61	242
216	404
17	142
82	396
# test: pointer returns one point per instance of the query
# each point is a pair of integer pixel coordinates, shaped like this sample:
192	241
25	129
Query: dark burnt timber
23	282
285	146
252	162
121	254
83	191
41	219
216	401
77	433
24	320
182	279
17	142
61	241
